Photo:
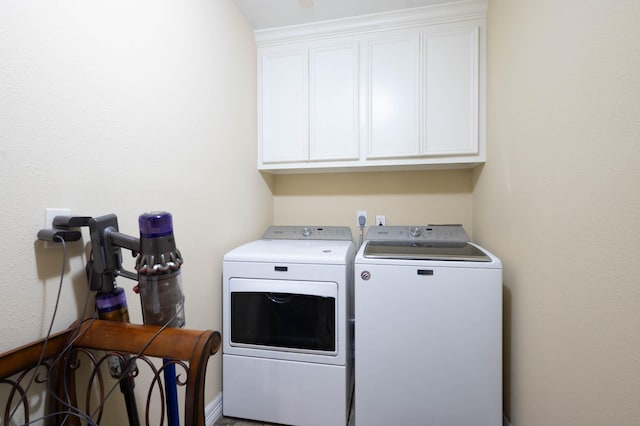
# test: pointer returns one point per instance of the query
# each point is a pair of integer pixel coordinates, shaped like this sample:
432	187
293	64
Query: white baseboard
505	420
213	410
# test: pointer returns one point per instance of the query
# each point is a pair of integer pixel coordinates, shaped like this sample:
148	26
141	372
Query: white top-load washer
288	326
428	331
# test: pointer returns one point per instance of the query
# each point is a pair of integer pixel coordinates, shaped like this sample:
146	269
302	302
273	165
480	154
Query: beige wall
100	100
124	107
405	198
559	201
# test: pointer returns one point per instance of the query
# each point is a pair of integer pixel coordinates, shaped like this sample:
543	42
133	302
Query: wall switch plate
49	214
361	213
381	220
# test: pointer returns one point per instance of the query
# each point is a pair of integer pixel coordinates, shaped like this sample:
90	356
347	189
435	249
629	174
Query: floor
230	421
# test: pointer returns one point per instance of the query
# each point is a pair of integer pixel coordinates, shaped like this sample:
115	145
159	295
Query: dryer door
279	315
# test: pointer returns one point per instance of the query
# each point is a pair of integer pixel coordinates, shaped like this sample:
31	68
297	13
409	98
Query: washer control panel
340	233
434	233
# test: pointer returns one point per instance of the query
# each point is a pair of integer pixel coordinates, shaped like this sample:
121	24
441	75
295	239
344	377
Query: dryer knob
306	232
415	232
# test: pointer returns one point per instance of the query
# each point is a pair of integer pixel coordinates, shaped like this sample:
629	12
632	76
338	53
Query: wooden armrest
27	356
173	343
192	348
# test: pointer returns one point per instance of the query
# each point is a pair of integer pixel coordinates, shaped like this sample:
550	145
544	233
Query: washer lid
425	250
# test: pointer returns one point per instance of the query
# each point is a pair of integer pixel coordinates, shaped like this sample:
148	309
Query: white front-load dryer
428	331
288	327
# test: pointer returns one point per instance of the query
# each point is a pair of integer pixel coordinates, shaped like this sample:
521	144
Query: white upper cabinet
333	102
309	102
393	86
284	106
450	110
402	90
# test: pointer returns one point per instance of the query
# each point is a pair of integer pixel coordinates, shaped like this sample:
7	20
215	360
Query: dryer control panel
339	233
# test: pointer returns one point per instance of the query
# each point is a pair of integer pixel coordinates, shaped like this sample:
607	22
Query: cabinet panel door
451	91
393	97
284	109
333	118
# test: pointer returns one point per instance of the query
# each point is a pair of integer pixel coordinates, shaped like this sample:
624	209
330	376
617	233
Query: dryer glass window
284	320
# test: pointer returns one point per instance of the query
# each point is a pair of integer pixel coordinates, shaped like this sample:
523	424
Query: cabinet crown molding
398	19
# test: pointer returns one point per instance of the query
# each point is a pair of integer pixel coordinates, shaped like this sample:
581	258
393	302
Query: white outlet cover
51	212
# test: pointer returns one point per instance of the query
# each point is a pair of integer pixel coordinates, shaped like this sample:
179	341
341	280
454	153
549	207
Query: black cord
75	335
46	340
71	410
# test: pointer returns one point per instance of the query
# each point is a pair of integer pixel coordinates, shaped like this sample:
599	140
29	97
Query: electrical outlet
49	214
360	213
380	220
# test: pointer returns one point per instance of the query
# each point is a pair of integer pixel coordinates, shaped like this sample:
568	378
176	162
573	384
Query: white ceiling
263	14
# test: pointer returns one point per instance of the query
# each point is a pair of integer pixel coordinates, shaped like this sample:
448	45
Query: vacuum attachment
58	235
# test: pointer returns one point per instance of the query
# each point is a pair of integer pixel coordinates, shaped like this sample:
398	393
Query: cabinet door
393	96
284	105
333	115
451	91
